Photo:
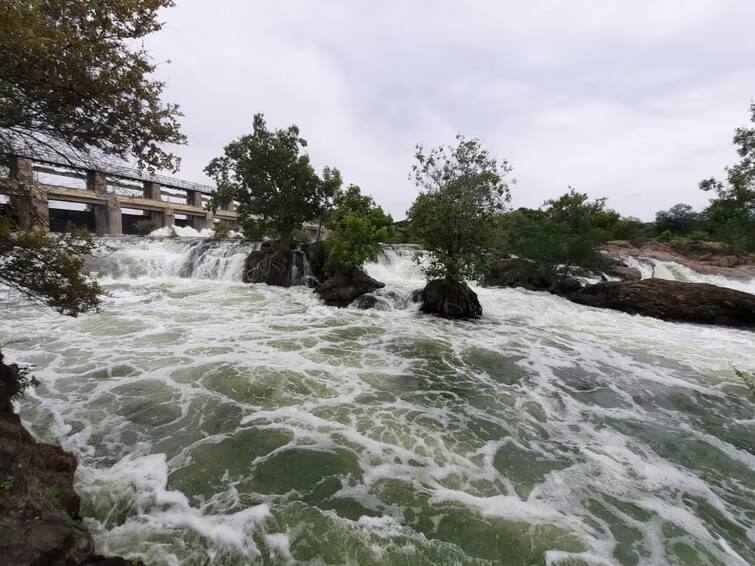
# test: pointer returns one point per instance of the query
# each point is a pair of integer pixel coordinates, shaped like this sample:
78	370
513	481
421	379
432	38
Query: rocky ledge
706	257
39	510
672	300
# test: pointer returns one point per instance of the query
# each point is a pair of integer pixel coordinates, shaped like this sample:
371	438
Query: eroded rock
450	299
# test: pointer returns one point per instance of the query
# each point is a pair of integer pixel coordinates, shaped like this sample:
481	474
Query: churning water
223	423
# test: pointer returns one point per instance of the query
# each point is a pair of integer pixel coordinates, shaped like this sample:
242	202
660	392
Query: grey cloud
614	98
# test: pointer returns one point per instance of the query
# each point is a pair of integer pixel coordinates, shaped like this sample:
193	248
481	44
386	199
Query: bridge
107	199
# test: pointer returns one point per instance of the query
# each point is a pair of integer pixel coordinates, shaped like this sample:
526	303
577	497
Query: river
223	423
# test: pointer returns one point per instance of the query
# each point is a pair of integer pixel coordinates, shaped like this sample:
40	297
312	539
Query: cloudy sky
635	100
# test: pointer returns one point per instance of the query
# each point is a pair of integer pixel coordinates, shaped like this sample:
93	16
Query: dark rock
417	296
341	291
274	266
520	272
450	299
367	301
39	510
626	273
672	300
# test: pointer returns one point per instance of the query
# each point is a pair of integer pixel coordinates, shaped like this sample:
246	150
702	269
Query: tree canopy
731	213
271	178
357	227
679	219
563	235
462	191
74	77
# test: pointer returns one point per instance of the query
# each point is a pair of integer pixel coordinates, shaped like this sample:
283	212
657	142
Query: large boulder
341	291
450	299
39	509
672	300
278	267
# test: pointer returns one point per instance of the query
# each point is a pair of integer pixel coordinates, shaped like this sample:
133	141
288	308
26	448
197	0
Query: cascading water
223	423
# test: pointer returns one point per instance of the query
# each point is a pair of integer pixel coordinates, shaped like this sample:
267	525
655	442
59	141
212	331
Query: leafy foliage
562	236
272	180
462	192
357	227
222	230
681	219
74	76
731	213
146	226
47	268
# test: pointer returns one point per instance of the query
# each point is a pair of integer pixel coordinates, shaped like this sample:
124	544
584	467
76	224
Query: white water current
223	423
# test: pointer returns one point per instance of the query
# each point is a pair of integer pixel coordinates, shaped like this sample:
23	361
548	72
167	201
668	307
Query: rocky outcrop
521	272
704	257
450	299
39	510
672	300
274	266
341	291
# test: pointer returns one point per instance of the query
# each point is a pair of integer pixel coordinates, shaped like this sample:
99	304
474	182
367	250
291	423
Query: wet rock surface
450	299
39	509
341	291
672	300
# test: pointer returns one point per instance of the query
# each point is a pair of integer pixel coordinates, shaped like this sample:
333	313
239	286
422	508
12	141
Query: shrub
146	226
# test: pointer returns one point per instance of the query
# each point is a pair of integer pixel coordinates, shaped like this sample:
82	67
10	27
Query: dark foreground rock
450	300
672	300
39	510
341	291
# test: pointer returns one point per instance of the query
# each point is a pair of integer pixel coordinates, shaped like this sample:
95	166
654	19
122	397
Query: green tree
273	182
357	226
562	236
730	215
74	76
48	269
681	219
462	192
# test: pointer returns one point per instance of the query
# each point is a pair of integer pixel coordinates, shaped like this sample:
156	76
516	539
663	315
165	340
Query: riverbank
39	509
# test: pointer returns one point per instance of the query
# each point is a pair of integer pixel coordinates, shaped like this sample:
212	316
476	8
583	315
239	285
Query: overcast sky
635	100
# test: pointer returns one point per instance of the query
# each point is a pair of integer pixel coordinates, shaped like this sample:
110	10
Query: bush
665	236
146	226
222	230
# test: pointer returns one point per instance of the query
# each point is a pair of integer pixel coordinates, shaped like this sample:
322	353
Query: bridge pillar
199	222
107	218
194	198
151	190
97	182
29	203
169	218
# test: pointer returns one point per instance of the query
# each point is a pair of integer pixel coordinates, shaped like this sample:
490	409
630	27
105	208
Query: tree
270	177
731	213
462	191
74	77
680	219
357	227
563	235
47	268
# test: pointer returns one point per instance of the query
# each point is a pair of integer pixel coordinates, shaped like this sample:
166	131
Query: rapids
223	423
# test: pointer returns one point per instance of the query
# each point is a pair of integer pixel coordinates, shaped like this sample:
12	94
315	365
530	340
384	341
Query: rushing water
223	423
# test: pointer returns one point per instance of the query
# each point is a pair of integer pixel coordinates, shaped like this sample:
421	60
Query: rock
341	291
367	301
626	273
450	299
417	296
39	510
672	300
728	261
520	272
273	266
